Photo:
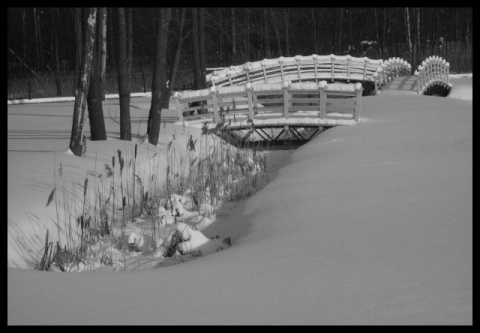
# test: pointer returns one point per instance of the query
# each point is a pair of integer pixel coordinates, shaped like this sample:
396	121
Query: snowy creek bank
365	225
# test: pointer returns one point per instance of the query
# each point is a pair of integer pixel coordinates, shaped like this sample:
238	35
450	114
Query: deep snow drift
365	224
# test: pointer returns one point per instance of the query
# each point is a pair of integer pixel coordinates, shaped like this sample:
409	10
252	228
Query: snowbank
365	224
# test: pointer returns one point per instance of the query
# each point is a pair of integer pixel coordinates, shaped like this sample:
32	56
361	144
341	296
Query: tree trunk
176	60
94	98
129	47
384	46
103	51
407	18
350	24
314	28
377	33
24	42
201	42
247	35
123	78
267	46
40	41
339	38
418	29
57	60
197	83
82	86
78	39
37	48
160	95
234	45
287	41
276	33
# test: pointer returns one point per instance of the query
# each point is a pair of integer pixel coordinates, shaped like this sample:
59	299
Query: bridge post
315	58
358	102
250	100
349	60
285	98
365	68
323	99
332	65
297	58
247	71
176	97
264	64
213	94
280	61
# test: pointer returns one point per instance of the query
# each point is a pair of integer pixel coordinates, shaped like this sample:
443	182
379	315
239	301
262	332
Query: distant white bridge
291	99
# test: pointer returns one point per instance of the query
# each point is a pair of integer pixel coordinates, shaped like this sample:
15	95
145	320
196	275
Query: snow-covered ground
365	224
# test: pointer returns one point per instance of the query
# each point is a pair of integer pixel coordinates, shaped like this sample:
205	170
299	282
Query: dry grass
98	216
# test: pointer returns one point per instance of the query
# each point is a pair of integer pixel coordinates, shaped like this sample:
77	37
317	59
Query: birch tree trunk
160	95
123	78
82	87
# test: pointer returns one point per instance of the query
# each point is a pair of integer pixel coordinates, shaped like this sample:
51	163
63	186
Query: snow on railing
432	71
394	67
300	68
278	100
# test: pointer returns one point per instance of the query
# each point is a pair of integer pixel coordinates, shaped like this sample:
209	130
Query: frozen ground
366	224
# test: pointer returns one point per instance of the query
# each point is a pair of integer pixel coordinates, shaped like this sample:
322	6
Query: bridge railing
300	69
301	100
433	70
394	67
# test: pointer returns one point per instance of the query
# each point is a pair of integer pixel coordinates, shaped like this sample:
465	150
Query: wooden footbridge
288	100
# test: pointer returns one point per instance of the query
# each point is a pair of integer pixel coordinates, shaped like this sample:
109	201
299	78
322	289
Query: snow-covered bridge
289	100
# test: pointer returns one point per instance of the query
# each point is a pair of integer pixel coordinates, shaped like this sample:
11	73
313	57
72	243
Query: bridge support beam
271	136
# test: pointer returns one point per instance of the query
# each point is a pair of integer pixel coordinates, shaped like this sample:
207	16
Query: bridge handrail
300	68
394	67
286	99
434	69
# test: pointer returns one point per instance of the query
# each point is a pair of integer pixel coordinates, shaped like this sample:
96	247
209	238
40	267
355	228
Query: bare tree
409	40
103	51
78	39
129	20
123	77
94	98
276	33
201	44
82	87
234	39
196	51
287	40
176	59
160	94
314	28
266	41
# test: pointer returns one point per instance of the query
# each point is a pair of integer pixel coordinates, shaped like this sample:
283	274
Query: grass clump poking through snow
124	217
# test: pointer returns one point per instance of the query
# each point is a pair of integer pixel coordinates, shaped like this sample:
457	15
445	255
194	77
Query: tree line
93	41
45	39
